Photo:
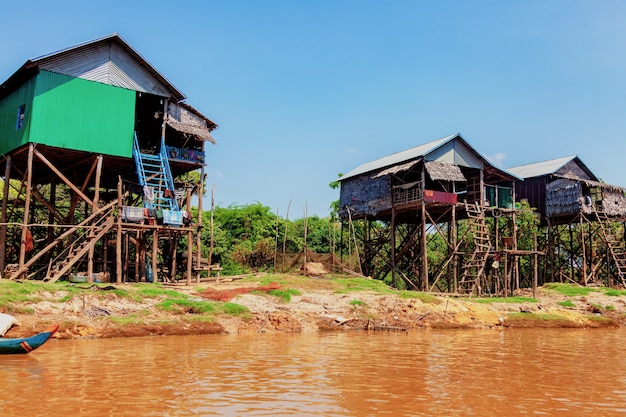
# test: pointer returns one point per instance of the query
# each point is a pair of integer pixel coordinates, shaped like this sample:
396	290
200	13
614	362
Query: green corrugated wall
10	137
73	113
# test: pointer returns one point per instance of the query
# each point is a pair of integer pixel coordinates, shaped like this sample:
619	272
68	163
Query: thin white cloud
498	159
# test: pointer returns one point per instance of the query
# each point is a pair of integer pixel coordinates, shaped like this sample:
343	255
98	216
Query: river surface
530	372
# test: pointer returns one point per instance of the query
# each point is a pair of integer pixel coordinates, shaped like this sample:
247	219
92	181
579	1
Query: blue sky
303	91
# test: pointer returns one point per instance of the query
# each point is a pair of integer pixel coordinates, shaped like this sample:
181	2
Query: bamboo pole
285	236
276	243
306	220
211	226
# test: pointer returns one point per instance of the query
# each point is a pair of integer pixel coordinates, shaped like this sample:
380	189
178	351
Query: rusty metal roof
548	167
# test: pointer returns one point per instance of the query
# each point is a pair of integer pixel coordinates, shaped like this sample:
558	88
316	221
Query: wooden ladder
79	248
613	243
474	267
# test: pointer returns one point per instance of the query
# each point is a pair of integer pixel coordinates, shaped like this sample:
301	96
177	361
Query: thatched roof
438	171
396	169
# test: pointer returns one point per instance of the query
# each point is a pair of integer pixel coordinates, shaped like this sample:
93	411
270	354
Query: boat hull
26	344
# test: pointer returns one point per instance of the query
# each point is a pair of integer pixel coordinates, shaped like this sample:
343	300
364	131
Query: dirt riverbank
315	304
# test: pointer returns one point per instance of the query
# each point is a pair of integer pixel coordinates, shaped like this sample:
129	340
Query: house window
20	117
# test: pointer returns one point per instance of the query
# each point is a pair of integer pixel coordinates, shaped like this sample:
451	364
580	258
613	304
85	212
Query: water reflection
420	373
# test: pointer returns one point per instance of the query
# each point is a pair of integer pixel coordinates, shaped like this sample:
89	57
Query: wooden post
583	249
29	176
118	239
94	207
3	216
211	240
536	266
199	224
173	247
189	243
393	244
138	260
126	257
455	260
424	250
155	251
51	211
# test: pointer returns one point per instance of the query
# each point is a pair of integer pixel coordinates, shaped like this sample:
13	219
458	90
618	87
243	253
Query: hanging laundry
148	194
30	245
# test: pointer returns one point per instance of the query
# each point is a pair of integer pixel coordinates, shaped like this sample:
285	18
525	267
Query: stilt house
563	187
573	202
420	188
98	139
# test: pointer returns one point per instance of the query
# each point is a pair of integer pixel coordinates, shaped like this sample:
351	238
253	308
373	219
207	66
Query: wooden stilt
3	216
25	231
189	244
118	238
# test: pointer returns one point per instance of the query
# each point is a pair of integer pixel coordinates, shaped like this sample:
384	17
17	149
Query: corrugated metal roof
87	60
538	169
399	157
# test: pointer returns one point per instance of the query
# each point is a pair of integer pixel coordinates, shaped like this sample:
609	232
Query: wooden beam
63	177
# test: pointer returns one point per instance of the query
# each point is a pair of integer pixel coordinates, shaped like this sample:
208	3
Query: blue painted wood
26	344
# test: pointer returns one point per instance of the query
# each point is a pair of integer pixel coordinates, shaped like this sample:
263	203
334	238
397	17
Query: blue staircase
154	172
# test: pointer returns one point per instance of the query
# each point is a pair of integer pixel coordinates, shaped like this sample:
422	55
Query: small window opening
20	117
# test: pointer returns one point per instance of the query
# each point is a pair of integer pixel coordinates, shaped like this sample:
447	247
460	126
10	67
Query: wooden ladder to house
613	243
474	267
79	248
153	172
96	217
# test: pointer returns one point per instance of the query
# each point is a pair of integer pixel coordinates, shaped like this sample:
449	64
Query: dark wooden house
97	138
422	192
578	209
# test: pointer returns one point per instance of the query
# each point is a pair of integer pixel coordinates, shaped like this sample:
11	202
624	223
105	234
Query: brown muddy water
537	372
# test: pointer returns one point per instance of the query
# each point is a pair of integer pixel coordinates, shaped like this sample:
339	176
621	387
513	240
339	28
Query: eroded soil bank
315	304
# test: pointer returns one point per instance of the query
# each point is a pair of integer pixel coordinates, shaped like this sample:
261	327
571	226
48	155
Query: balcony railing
184	154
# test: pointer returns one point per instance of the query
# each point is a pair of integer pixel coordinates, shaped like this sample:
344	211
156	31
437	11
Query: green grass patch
358	303
185	306
346	285
570	290
284	295
132	318
614	293
533	316
181	305
234	309
509	300
422	296
156	291
598	319
566	303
